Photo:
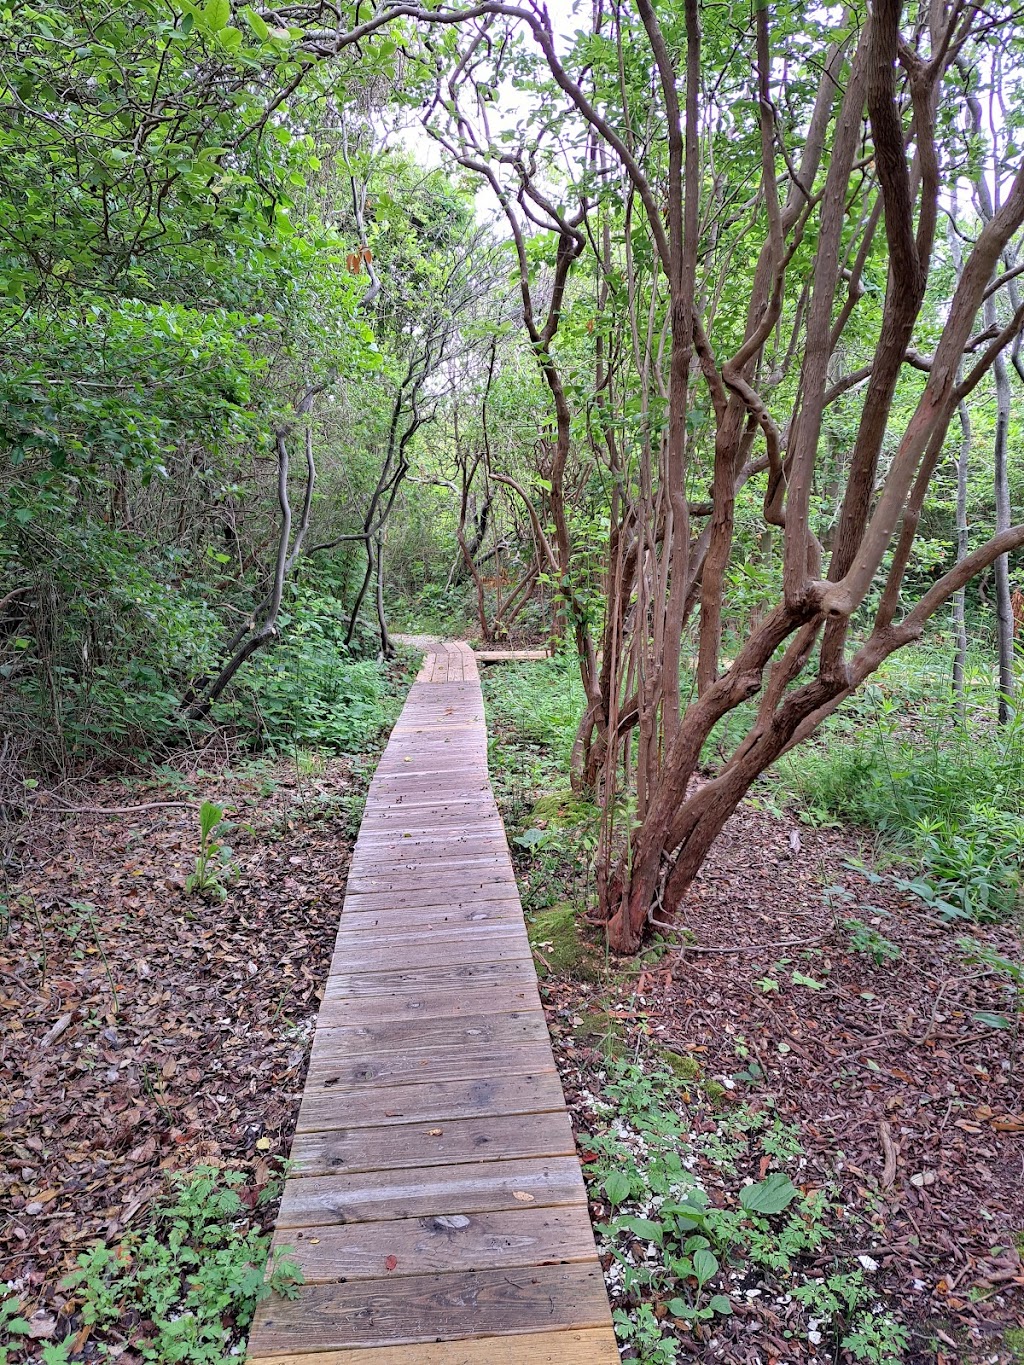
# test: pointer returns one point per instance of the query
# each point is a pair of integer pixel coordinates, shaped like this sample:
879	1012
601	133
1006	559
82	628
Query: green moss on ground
681	1065
561	948
563	810
1014	1339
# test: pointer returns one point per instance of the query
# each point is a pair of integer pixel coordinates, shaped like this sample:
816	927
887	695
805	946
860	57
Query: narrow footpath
435	1203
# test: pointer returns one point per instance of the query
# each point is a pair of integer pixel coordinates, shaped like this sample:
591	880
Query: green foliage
214	860
864	939
186	1290
310	690
679	1251
1008	973
946	793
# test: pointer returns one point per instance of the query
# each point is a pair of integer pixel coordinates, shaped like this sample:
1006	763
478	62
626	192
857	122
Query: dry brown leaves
916	1109
156	1031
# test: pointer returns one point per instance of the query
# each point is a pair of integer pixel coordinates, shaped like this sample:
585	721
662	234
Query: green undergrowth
709	1209
184	1290
942	790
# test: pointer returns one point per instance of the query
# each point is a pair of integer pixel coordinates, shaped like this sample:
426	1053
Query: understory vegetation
185	1290
715	1208
680	343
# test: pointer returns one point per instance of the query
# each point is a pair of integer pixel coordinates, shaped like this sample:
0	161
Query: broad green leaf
257	24
210	817
617	1187
771	1195
705	1265
720	1303
217	14
644	1228
992	1020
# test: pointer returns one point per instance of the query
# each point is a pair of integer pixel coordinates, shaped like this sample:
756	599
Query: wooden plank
470	975
432	1308
418	1035
471	1187
445	917
330	1072
434	1102
595	1346
448	1242
490	1137
347	1012
431	950
426	897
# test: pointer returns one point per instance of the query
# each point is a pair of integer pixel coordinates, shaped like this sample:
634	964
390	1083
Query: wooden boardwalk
435	1203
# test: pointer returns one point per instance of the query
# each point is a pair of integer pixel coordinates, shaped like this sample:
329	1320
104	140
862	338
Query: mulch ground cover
904	1102
146	1030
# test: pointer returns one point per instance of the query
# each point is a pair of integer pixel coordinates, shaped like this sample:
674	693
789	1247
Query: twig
119	810
746	947
889	1151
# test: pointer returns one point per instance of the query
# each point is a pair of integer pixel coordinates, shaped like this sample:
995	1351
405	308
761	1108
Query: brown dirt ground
878	1054
145	1030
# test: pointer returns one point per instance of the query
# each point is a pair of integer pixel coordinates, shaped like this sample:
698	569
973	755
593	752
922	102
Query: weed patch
186	1290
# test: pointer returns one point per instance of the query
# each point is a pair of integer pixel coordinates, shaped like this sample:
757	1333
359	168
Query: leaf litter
146	1031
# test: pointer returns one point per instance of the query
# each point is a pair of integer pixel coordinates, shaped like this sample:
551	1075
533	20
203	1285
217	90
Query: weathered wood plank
433	1308
441	1004
490	1137
448	1242
429	951
469	976
471	1187
445	917
511	1030
330	1072
596	1346
434	1102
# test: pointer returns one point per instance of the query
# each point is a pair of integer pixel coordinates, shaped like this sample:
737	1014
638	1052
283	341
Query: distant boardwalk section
435	1202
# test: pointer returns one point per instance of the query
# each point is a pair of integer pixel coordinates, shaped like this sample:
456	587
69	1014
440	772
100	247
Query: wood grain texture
329	1071
433	1308
486	1138
415	1192
435	1202
442	1004
595	1346
453	1241
431	1101
425	1035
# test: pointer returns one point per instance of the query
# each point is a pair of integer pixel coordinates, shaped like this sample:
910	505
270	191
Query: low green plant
1004	968
847	1306
214	860
192	1282
943	790
678	1251
864	939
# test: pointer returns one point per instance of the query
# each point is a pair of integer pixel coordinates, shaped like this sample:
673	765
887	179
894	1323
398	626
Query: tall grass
941	784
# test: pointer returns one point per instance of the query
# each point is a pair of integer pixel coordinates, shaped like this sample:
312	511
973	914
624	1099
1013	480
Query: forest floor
812	1018
145	1030
899	1105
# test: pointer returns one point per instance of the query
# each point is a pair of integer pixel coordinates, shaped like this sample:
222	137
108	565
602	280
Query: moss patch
600	1030
562	810
681	1065
1014	1339
561	946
